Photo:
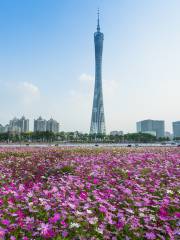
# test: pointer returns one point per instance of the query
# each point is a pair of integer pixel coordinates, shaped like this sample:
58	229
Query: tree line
77	137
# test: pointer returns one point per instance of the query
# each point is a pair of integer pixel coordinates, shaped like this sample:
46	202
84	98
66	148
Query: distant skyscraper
154	127
24	124
14	125
52	126
176	129
40	125
97	118
116	133
2	129
19	125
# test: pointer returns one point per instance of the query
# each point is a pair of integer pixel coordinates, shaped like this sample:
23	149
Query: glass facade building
176	129
154	127
98	118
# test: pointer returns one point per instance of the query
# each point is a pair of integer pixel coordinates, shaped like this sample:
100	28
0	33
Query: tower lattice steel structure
97	118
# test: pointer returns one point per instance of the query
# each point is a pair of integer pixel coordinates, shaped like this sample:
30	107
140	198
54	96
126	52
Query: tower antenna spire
98	26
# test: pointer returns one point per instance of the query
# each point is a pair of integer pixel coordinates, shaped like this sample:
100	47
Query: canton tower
97	118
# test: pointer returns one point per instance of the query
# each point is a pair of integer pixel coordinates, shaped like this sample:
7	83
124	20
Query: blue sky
47	61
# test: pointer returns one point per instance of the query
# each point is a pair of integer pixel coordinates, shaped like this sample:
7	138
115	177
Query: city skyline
47	61
21	125
150	126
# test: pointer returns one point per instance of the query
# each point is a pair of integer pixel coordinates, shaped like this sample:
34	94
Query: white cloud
29	88
84	77
28	92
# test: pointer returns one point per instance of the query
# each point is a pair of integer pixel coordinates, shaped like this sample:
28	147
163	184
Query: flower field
78	193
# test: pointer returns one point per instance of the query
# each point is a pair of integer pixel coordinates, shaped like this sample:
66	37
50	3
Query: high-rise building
116	133
176	129
2	129
6	128
19	125
52	126
154	127
40	125
24	124
14	125
98	118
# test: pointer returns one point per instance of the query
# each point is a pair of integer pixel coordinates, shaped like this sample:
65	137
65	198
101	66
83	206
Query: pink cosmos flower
102	209
12	238
177	214
1	202
63	223
21	188
64	233
95	181
55	218
2	233
163	214
54	189
46	230
114	238
83	195
5	222
120	225
127	191
169	232
150	236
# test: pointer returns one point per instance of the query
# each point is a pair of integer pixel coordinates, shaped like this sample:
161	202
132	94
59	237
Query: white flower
30	194
89	211
152	217
130	210
79	213
141	214
169	191
30	204
93	220
74	225
72	206
99	230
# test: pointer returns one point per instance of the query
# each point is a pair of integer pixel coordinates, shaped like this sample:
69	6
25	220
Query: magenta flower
95	181
177	214
5	222
102	209
46	230
127	191
150	236
55	218
163	214
2	233
83	195
120	225
12	238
